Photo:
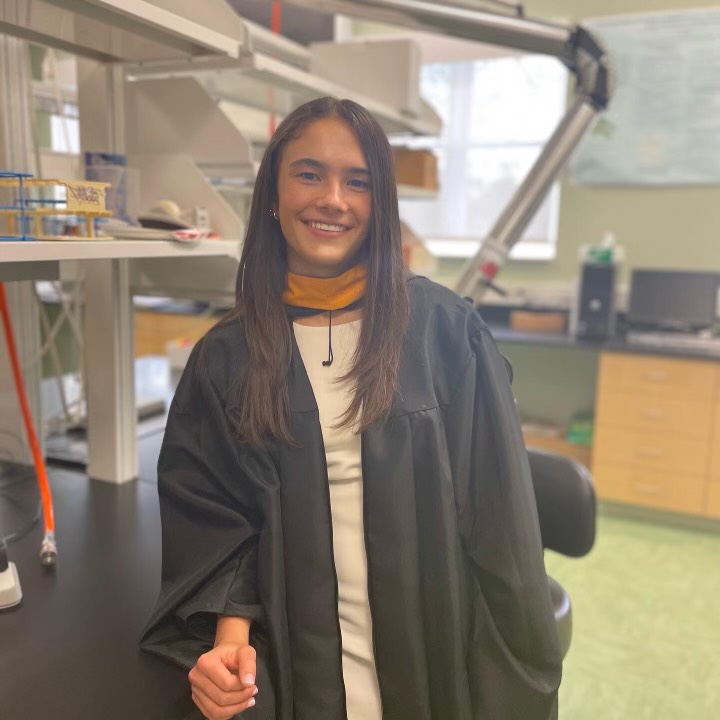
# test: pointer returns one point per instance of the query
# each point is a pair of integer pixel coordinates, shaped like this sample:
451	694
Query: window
498	113
65	130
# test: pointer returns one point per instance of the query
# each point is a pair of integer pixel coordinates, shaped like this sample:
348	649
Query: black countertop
505	335
69	650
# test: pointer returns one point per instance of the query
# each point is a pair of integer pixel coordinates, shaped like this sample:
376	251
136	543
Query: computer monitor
671	300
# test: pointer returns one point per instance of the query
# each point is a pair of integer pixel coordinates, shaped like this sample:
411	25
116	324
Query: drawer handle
646	489
654	414
649	452
657	376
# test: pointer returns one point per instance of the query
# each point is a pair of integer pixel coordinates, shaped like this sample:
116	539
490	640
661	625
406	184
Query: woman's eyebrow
311	162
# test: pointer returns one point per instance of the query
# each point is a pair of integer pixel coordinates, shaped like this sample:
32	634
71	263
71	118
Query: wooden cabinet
639	486
654	413
715	462
154	330
657	432
664	452
656	377
715	450
712	507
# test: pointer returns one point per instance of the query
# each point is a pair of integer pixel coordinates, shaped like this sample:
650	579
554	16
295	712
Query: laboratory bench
70	650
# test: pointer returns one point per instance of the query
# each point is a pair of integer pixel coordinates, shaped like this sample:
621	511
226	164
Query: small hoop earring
272	212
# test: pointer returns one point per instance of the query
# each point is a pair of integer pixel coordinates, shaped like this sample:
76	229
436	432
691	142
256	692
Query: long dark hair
263	402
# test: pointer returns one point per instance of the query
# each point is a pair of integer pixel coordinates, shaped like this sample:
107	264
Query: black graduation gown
462	622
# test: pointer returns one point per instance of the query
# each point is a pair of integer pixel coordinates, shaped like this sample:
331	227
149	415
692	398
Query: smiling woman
324	199
349	527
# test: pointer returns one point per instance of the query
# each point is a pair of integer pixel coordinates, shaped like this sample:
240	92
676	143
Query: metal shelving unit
99	249
127	30
245	81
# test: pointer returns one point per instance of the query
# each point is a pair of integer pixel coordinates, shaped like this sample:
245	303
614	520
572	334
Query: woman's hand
223	680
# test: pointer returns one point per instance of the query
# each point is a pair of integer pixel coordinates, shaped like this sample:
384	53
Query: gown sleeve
514	655
209	525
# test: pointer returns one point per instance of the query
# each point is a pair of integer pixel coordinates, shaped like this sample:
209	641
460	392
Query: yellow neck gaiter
326	293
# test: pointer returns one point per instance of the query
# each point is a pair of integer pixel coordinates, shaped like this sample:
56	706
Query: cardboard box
538	322
416	167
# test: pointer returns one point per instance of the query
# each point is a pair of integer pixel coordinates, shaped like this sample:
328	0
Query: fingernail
252	702
249	679
255	692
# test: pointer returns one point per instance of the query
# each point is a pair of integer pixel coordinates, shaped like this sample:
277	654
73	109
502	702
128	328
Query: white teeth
328	228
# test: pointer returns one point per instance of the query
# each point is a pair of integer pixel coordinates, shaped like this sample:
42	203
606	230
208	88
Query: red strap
275	26
276	16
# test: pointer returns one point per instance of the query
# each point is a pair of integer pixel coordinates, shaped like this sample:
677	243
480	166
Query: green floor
646	635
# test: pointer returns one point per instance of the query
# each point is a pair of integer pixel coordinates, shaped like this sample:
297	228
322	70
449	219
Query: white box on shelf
178	353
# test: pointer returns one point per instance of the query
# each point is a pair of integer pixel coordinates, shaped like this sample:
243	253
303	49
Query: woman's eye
309	175
360	184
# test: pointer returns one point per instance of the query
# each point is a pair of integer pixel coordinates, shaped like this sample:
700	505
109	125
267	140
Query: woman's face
324	198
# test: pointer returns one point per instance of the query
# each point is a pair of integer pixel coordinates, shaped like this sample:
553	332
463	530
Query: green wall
668	228
552	384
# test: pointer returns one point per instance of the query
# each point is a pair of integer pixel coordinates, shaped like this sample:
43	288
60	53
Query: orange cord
44	485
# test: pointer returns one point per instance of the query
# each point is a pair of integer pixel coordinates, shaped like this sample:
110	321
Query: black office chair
565	499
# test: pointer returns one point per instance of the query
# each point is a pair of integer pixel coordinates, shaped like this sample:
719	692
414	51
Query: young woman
349	527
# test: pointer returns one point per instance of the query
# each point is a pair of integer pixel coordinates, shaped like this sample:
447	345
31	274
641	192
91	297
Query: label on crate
85	196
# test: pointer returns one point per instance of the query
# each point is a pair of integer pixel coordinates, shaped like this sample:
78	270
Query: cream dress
342	449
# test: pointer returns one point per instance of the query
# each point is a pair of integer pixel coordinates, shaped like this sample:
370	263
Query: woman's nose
333	195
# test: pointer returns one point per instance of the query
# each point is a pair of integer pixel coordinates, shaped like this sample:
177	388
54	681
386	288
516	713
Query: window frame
453	245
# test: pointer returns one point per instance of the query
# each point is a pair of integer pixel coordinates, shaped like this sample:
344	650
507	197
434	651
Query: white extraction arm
506	26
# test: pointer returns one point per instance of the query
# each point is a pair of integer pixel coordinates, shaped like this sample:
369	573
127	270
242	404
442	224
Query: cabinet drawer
683	379
716	422
712	507
660	414
153	330
715	440
653	451
649	488
715	462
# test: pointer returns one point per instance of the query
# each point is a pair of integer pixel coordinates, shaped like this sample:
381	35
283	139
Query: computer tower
595	312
